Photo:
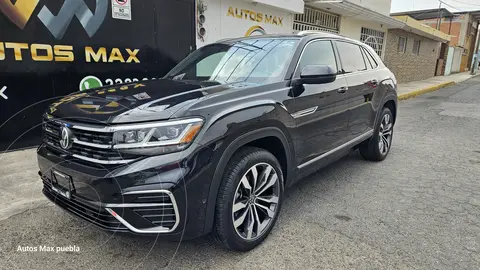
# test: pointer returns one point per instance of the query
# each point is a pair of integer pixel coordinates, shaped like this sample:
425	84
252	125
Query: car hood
139	101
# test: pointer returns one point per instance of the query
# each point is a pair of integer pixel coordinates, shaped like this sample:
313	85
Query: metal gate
314	19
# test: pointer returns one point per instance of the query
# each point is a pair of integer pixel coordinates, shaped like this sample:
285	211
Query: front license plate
62	184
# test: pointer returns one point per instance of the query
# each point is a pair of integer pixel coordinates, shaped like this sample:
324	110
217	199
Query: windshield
261	61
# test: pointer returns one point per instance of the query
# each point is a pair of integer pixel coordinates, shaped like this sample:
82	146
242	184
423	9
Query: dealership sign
252	15
50	49
64	53
245	19
20	13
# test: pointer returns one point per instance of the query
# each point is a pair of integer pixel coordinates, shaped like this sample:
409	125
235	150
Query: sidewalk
413	89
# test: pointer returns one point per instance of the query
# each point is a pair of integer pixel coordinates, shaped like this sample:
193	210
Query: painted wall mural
51	48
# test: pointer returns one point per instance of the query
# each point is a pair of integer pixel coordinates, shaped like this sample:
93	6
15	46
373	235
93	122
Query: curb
424	90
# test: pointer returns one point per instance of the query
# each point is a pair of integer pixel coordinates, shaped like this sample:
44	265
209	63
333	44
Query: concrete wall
457	59
380	6
463	32
449	62
352	28
445	27
407	66
236	18
295	6
457	28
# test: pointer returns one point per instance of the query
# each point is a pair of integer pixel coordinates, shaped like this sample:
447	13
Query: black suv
212	146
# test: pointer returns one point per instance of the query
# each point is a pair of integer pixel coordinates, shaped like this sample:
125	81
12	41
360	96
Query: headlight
164	137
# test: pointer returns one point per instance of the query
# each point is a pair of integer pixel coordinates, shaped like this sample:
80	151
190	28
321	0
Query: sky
451	5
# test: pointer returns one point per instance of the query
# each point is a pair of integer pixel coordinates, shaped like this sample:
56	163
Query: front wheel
249	199
378	146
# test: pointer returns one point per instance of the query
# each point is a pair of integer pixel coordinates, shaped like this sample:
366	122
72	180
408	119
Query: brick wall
407	66
454	30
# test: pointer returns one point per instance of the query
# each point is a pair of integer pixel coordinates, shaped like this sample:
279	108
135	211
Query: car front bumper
150	196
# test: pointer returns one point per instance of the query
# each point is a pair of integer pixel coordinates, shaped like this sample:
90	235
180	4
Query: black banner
51	48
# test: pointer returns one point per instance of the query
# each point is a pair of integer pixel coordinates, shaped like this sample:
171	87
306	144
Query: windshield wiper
211	82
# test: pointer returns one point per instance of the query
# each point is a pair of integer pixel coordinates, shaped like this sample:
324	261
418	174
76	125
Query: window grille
402	44
314	19
416	47
374	39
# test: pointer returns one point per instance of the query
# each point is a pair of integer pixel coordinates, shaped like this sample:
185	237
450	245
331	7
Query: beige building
369	21
364	20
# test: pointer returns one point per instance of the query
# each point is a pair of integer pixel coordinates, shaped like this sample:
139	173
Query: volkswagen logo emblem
66	138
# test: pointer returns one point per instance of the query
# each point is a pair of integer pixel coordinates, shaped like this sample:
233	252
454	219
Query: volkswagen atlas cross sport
211	147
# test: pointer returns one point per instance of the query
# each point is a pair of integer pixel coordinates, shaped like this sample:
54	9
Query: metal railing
314	19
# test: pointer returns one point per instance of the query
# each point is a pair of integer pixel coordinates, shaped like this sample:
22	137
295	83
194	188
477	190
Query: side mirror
318	74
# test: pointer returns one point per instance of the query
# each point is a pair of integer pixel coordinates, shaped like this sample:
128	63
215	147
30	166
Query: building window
416	47
402	44
374	39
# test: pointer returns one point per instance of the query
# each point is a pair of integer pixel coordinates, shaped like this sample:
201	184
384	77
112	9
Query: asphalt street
419	209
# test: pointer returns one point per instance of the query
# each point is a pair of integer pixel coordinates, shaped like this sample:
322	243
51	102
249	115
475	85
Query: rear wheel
249	199
378	146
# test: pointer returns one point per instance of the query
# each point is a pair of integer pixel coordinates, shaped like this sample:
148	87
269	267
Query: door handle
342	90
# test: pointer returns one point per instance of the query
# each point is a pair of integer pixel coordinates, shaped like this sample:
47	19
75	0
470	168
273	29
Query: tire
234	190
373	149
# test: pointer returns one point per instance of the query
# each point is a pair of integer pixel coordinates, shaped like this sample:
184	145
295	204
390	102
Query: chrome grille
95	215
93	137
155	198
91	147
99	153
164	217
163	214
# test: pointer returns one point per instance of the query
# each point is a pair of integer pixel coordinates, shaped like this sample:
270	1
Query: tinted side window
352	58
318	53
370	58
367	61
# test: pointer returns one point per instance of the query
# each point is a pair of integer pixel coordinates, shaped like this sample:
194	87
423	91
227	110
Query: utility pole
439	18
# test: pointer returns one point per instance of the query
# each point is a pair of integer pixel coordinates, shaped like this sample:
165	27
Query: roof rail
306	32
313	32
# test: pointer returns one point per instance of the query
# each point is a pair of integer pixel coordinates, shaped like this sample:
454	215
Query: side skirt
329	157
